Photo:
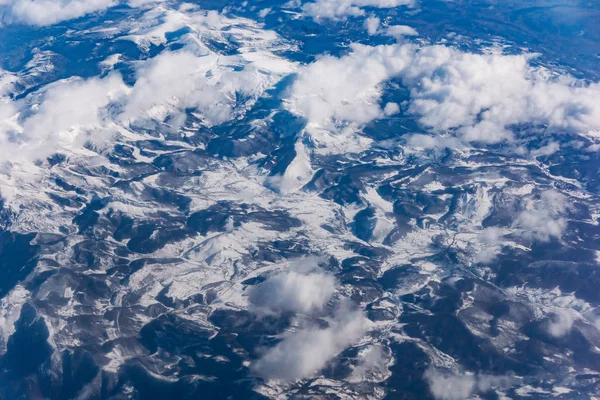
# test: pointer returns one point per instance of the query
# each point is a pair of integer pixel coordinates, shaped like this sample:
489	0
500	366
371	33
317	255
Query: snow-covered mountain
333	199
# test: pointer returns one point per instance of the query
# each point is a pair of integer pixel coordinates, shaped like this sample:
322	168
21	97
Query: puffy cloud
294	291
391	109
62	115
264	12
477	97
142	3
337	96
305	352
542	219
490	238
447	386
341	9
347	89
480	95
197	77
7	81
371	24
399	31
560	323
49	12
211	84
153	27
306	289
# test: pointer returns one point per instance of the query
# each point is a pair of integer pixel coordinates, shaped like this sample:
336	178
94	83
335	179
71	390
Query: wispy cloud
342	9
445	385
306	351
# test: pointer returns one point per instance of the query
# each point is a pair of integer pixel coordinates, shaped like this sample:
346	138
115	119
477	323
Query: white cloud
371	24
372	361
142	3
341	9
542	219
7	81
347	89
180	80
490	240
304	288
49	12
305	352
264	12
154	25
477	97
399	31
294	291
391	109
338	96
546	150
196	77
211	84
448	386
421	141
63	115
560	323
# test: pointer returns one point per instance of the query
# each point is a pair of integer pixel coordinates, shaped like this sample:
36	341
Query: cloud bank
49	12
342	9
477	97
66	114
63	115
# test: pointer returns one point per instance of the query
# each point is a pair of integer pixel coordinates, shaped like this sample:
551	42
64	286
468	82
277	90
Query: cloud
560	323
264	12
142	3
371	24
49	12
211	84
67	113
341	9
391	109
197	77
546	150
294	291
305	352
418	140
477	97
347	89
61	116
7	81
480	95
399	31
542	219
372	361
304	288
445	385
490	239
